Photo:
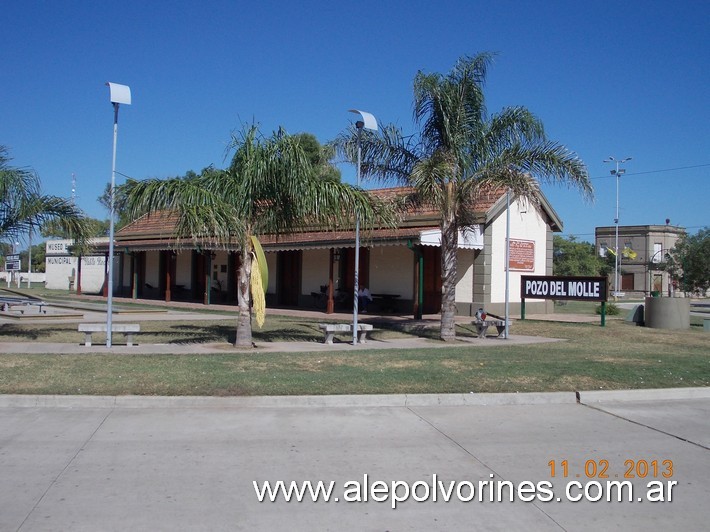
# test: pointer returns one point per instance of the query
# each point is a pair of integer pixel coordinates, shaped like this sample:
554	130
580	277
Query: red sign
522	255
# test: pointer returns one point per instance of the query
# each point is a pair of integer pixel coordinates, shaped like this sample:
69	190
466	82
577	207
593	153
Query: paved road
189	463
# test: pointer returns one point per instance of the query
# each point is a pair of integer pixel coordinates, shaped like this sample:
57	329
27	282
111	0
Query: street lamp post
617	172
651	262
119	94
370	122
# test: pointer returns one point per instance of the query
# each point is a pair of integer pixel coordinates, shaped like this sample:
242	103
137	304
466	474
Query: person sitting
363	298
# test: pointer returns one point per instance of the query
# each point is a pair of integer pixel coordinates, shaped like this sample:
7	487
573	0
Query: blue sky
606	78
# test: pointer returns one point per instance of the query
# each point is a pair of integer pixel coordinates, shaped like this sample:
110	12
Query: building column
78	275
418	306
168	277
105	290
134	275
330	304
208	278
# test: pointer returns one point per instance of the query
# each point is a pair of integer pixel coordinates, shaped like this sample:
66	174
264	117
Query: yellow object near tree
259	281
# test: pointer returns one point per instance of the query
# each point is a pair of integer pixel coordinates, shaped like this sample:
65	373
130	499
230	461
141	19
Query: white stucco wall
315	270
152	268
464	275
60	266
392	271
183	267
526	223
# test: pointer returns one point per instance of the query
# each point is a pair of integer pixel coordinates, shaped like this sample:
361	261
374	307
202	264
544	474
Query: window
603	249
627	281
657	255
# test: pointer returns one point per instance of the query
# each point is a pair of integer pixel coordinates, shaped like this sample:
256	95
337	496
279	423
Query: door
627	281
288	281
432	279
347	272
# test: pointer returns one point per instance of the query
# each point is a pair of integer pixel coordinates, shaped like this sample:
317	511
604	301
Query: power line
654	171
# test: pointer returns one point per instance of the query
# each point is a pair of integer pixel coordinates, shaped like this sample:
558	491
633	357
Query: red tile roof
157	230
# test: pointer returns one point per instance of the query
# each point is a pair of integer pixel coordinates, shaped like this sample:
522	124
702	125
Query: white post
119	94
617	172
109	303
359	126
507	261
29	260
616	238
368	121
19	269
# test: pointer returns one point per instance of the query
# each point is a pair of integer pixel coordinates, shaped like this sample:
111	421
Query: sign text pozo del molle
577	288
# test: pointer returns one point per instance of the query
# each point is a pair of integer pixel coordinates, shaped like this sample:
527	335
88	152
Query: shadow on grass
227	333
10	330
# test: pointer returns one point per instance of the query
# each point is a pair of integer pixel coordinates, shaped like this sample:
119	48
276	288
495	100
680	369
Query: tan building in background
642	252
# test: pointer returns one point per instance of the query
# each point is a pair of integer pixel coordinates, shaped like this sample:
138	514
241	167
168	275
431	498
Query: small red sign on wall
522	255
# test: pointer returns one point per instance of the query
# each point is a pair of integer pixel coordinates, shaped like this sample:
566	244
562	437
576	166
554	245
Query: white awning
469	238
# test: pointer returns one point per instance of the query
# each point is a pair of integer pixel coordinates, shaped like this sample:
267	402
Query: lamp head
119	93
368	120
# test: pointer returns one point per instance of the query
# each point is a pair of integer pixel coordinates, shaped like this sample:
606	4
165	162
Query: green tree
270	187
38	258
23	207
460	153
122	217
688	262
572	257
319	156
94	228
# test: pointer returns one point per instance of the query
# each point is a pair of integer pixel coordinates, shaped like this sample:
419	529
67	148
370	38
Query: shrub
611	309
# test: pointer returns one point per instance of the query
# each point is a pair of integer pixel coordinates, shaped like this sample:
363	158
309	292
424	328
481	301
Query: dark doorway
288	281
347	270
432	279
627	281
198	275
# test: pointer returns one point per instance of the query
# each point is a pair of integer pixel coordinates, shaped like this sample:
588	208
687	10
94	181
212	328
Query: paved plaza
157	463
190	463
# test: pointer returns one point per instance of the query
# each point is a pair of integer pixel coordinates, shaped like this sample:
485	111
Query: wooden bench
482	326
128	329
330	329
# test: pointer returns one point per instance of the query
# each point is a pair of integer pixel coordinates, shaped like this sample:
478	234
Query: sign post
564	288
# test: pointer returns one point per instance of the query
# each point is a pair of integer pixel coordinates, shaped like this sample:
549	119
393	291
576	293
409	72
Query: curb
663	394
349	401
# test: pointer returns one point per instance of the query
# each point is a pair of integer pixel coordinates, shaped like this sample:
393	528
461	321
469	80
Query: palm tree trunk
449	245
244	338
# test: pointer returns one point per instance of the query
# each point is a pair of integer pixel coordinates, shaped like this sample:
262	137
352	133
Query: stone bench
128	329
482	326
331	329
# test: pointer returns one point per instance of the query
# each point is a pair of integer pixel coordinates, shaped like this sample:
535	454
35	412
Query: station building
401	267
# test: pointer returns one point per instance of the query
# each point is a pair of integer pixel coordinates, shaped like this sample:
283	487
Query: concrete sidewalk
164	464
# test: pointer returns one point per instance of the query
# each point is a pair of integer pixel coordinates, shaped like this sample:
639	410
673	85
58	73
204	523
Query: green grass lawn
618	356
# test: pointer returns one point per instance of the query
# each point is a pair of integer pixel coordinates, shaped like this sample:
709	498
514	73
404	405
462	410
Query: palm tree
23	206
270	187
459	153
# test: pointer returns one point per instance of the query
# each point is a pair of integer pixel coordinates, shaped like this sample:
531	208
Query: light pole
507	261
16	251
119	94
29	260
617	172
651	269
370	122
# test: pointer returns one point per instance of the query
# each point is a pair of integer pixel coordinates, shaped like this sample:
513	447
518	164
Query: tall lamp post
370	122
119	94
651	269
616	172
